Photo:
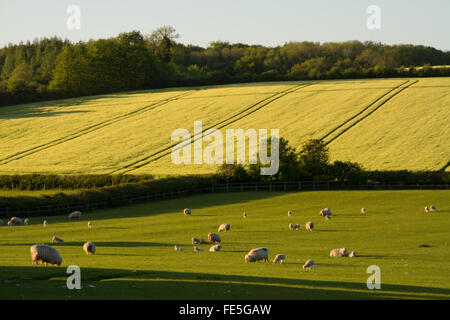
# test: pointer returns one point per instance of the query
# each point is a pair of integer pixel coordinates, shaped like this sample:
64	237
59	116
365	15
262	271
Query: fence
226	187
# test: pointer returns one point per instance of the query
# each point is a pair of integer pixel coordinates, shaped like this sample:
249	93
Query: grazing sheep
426	208
15	221
56	239
280	258
224	227
187	212
197	249
213	237
89	247
75	214
45	223
363	210
257	254
26	221
45	254
325	212
177	248
195	241
352	254
245	215
433	208
309	226
89	224
215	248
341	252
289	213
309	264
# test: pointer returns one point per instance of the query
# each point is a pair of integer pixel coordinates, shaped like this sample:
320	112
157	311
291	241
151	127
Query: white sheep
363	210
257	254
89	247
309	264
187	211
340	252
45	254
280	258
197	249
309	226
56	239
215	248
15	221
223	227
195	241
289	213
426	209
75	214
213	237
433	208
89	224
45	223
26	221
245	215
351	254
177	248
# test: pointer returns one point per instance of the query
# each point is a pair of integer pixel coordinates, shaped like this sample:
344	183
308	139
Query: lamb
340	252
426	208
75	214
309	264
56	239
280	258
89	224
187	211
196	241
309	225
15	221
433	208
89	247
352	254
363	210
224	227
177	248
26	221
45	254
215	248
213	237
257	254
45	223
197	249
245	215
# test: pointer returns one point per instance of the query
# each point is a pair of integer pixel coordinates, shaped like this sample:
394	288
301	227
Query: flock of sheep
48	255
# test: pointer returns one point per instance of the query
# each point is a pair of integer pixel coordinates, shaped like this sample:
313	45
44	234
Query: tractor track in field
219	125
89	129
358	117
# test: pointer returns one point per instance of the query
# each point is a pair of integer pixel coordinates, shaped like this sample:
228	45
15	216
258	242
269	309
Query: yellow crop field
380	123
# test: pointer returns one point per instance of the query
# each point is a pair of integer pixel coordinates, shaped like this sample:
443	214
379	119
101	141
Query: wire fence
297	186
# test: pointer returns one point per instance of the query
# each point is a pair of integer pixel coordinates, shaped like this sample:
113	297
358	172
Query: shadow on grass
118	244
49	283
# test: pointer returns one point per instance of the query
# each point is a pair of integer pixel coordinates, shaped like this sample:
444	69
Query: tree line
54	68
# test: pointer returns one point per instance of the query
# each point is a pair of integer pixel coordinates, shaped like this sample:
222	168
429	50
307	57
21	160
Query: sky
269	23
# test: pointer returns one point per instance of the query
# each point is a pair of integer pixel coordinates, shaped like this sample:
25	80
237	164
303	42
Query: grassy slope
141	238
105	133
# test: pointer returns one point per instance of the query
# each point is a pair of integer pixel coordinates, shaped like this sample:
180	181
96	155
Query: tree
314	158
161	42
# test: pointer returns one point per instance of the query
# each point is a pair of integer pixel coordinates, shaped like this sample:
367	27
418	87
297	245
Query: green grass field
135	258
381	123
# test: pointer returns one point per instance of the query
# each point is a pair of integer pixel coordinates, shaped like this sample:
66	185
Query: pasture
135	256
385	124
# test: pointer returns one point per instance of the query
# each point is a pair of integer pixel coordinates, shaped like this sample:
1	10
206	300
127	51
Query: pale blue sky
263	22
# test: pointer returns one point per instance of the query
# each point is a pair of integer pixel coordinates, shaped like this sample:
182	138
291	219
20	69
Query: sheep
291	226
26	221
56	239
187	212
89	247
289	213
89	224
213	237
15	221
309	264
257	254
309	226
363	210
325	212
426	208
223	227
45	223
296	226
341	252
45	254
177	248
75	214
433	208
197	249
196	241
351	254
279	258
245	215
215	248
